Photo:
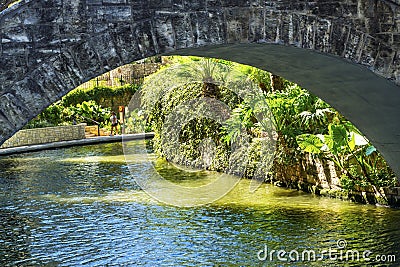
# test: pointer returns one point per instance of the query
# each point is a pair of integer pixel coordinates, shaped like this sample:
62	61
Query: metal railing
95	122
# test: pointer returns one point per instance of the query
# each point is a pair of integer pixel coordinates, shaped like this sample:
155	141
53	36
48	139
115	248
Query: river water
81	206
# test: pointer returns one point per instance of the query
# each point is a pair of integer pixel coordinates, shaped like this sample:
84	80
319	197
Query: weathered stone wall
320	177
46	135
49	47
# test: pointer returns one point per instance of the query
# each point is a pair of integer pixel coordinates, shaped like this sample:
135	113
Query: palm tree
210	72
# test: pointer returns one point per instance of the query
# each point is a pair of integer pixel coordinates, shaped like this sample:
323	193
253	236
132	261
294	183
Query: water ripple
82	208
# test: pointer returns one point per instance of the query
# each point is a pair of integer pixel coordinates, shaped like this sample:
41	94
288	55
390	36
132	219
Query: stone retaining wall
320	177
46	135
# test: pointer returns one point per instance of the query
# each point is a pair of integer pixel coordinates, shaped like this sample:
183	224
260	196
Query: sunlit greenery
165	91
359	163
57	114
304	123
90	106
105	96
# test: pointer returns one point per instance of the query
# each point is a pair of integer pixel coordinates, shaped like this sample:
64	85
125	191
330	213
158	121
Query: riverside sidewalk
80	142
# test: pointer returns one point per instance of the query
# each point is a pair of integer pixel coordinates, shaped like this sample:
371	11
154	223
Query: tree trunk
211	90
277	83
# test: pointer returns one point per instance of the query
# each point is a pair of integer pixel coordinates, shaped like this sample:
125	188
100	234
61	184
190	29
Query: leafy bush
358	161
102	95
85	106
89	112
163	94
51	116
136	122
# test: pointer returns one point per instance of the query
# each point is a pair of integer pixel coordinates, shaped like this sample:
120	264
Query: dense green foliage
91	106
192	133
306	124
187	133
102	95
360	164
51	116
56	114
303	122
201	134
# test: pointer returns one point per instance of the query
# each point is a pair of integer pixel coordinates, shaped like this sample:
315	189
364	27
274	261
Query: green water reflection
81	207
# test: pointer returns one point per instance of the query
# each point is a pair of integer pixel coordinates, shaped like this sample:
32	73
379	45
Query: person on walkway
114	123
73	120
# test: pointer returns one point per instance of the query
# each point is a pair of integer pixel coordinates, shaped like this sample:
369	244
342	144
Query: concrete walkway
80	142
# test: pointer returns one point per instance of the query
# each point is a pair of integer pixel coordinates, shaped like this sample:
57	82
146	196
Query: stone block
256	26
14	110
184	37
146	37
114	13
47	4
10	21
214	28
164	31
31	94
106	51
126	43
272	26
237	24
94	2
198	5
159	4
17	35
384	60
46	135
45	36
114	2
236	3
67	70
213	4
87	59
42	15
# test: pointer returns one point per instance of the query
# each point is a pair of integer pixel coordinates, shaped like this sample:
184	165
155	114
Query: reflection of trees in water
7	165
10	177
14	237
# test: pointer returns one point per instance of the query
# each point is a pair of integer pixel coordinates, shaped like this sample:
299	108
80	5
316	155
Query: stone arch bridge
345	51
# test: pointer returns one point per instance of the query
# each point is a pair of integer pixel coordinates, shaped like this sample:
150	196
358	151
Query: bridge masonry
49	47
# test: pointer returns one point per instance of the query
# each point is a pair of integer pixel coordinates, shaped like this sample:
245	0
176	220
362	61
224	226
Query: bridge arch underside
49	47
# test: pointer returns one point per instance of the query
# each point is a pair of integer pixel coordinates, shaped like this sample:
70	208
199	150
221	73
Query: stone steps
89	135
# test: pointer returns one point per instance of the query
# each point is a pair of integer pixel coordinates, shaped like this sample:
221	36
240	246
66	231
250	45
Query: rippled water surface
81	207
